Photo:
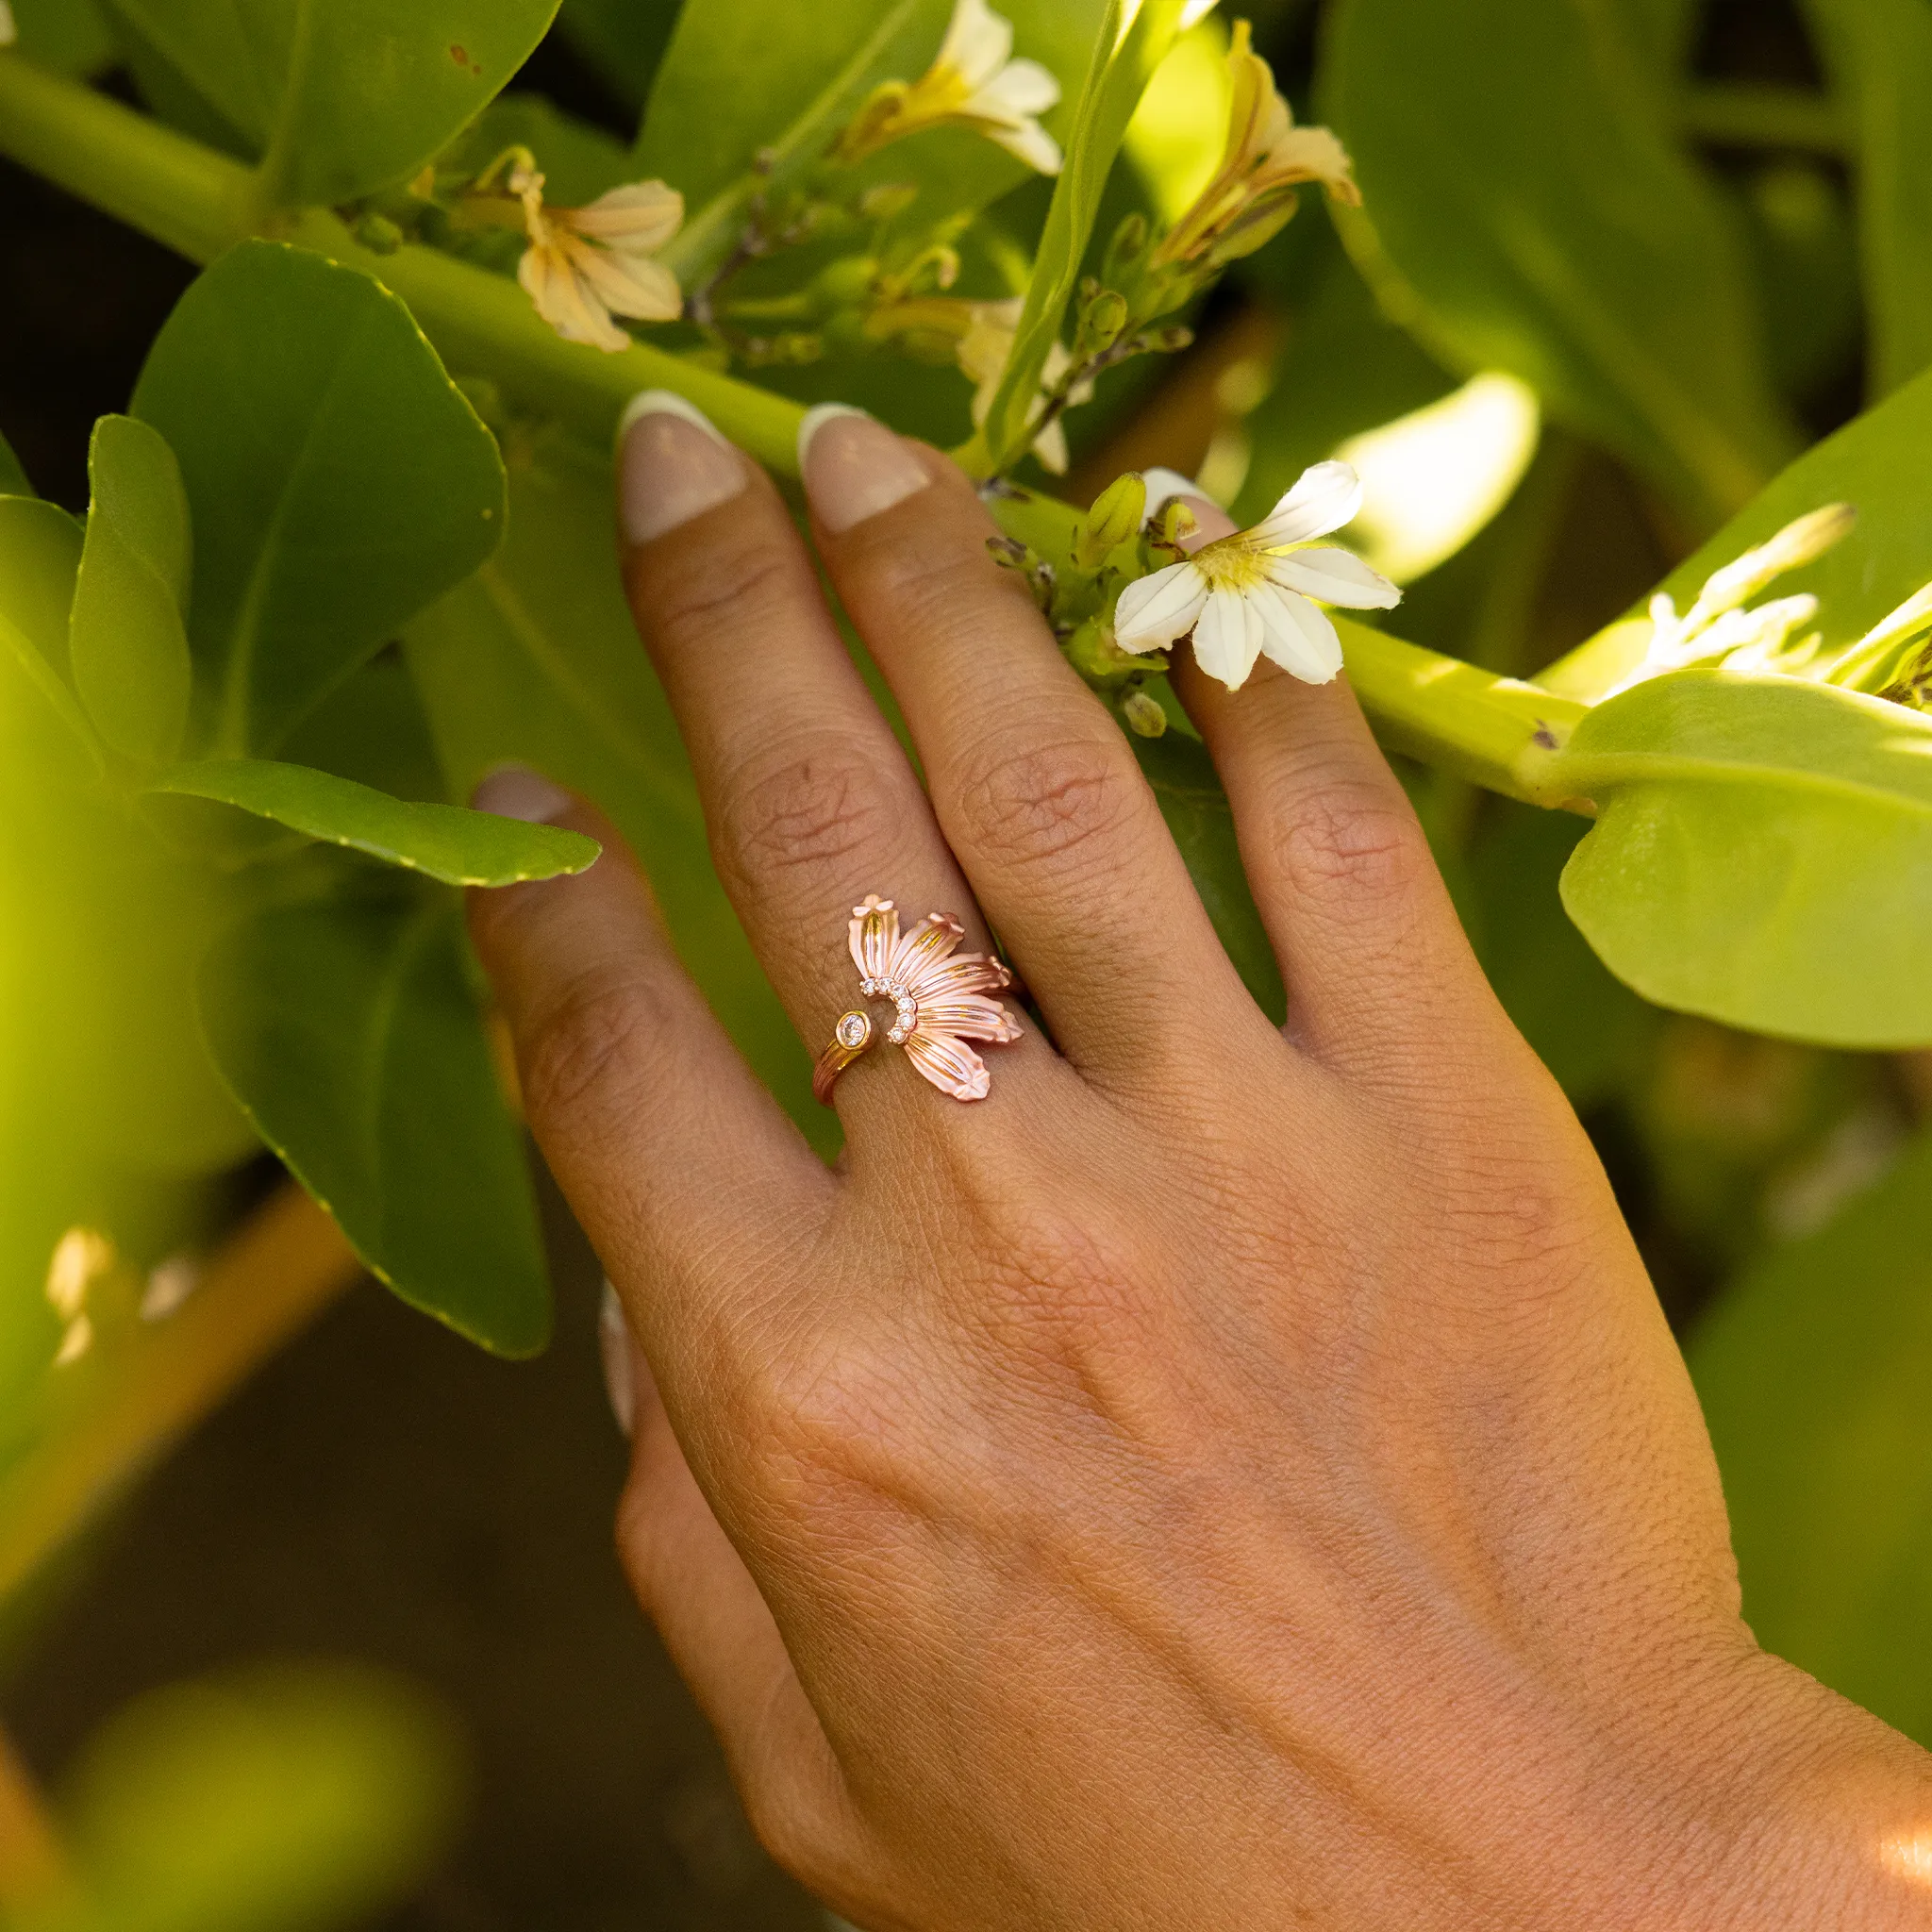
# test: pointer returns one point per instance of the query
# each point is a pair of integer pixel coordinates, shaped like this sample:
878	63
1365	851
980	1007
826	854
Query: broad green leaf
1197	813
12	477
1762	854
1879	54
762	80
339	482
128	641
442	842
40	558
1588	1028
338	97
276	1799
1875	463
69	35
536	660
1663	32
1531	212
349	1033
1812	1369
1131	45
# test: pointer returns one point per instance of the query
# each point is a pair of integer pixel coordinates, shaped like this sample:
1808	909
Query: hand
1225	1478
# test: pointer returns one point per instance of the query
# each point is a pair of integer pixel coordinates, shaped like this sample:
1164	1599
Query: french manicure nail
853	467
515	791
672	465
613	1344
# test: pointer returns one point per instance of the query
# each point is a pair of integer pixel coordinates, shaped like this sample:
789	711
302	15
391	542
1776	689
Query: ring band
938	997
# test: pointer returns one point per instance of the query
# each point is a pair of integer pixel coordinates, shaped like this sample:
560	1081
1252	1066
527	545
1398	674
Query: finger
1370	946
810	801
629	1084
720	1633
1034	784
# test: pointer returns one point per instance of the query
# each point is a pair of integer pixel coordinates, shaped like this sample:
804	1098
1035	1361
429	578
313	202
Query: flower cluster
586	265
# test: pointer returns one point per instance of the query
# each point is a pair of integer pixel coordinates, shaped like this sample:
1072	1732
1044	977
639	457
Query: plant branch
1759	115
276	1271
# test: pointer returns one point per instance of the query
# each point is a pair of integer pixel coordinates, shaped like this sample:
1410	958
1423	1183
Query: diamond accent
855	1030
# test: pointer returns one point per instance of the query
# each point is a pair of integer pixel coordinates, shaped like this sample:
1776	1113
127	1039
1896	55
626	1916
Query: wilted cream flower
1266	156
983	352
973	82
586	264
1246	597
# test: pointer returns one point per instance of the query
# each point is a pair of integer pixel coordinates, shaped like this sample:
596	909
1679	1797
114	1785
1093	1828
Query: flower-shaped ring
938	997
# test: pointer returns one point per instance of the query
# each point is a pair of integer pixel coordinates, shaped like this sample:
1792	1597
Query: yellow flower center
1230	564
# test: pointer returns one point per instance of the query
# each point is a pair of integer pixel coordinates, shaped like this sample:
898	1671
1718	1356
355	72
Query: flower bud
890	198
1101	323
378	234
1114	518
1145	716
1128	244
846	283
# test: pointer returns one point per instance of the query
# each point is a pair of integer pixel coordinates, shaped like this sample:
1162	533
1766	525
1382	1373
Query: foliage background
375	1494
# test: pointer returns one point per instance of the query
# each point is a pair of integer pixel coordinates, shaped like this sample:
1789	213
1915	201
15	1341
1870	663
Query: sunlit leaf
349	1031
536	660
1762	854
442	842
338	479
1812	1370
40	558
1529	208
1131	45
279	1799
12	477
339	97
1879	53
128	645
69	35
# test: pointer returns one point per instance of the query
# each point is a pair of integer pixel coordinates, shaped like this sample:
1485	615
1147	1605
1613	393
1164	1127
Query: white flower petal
1019	89
641	217
1050	446
1325	497
1030	142
1336	576
977	43
563	299
1165	484
1298	636
1154	610
1228	638
631	284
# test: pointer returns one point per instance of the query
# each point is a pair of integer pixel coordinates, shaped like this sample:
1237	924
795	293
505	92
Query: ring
938	998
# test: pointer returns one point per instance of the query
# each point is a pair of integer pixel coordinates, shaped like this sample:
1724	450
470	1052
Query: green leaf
1875	463
67	35
12	477
40	558
1532	212
1129	49
536	660
339	480
1762	854
1197	813
128	641
442	842
338	97
349	1033
1812	1370
276	1799
1879	54
796	78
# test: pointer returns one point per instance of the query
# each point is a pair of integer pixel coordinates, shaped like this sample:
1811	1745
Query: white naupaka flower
973	82
1722	626
1247	596
983	352
585	265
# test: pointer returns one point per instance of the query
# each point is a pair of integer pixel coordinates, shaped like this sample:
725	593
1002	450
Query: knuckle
817	805
1347	844
1047	804
591	1050
742	585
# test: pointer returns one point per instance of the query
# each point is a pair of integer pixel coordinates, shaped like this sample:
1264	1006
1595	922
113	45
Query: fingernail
672	465
853	467
515	791
614	1345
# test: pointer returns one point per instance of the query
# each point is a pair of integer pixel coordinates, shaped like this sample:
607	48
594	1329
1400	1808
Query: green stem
1495	730
1756	114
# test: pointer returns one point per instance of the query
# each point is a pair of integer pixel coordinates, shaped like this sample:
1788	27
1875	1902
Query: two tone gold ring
939	1000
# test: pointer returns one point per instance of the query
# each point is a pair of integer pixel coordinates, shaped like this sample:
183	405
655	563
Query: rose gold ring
938	998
